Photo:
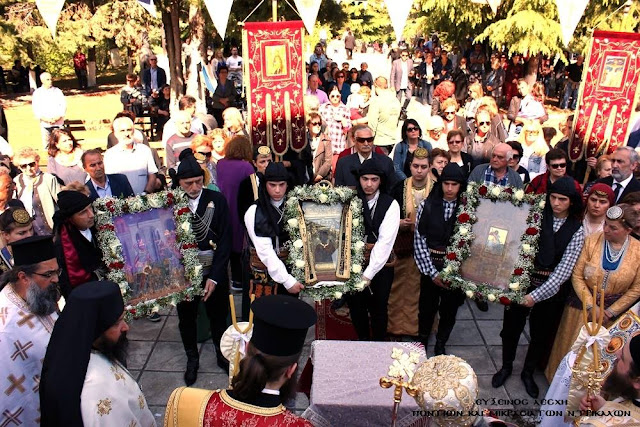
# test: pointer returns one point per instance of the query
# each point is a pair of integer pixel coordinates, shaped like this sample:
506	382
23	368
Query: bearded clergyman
28	311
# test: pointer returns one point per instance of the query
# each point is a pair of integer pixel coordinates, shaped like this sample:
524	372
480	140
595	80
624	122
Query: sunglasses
455	141
334	96
27	165
558	165
484	123
205	154
412	129
449	112
315	123
340	77
363	140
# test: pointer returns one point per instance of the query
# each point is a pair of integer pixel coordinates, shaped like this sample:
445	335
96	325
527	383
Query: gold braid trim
408	198
343	270
309	264
252	409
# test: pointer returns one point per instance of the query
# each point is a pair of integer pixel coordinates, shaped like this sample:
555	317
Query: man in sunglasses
557	161
400	70
37	190
28	309
346	166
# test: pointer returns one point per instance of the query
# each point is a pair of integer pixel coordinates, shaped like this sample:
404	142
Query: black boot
529	384
501	376
439	348
482	305
193	363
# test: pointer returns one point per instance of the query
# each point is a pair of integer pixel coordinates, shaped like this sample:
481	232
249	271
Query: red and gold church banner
608	95
274	78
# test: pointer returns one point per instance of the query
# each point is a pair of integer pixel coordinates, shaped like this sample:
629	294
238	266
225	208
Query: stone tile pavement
157	359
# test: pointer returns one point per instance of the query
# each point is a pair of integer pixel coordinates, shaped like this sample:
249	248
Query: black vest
432	225
372	225
561	239
264	229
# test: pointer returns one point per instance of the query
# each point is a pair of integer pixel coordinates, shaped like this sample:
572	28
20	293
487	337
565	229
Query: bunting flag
398	12
149	6
308	10
50	11
494	5
570	13
219	11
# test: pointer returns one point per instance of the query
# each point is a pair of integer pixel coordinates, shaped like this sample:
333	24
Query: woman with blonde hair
234	122
452	120
475	92
534	148
487	103
218	142
202	147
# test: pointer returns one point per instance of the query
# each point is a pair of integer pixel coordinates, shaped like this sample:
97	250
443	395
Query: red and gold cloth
275	82
609	89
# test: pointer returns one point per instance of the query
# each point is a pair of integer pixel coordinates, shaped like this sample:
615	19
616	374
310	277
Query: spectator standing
400	70
132	97
383	114
435	133
528	106
154	77
574	76
497	171
403	151
442	91
180	140
534	149
38	191
477	60
217	62
99	183
224	96
442	68
186	103
494	79
65	157
514	163
80	67
131	158
460	77
349	43
219	139
319	57
321	150
557	161
202	148
49	107
234	122
451	119
624	162
480	143
160	104
513	74
365	76
426	74
314	89
336	117
234	62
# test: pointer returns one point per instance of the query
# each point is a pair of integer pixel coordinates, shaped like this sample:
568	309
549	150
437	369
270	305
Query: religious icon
323	242
613	72
275	61
496	240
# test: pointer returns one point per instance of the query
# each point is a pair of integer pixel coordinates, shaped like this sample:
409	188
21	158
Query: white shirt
404	81
153	72
387	234
193	203
623	185
429	72
49	103
264	248
136	164
362	159
102	191
169	129
87	234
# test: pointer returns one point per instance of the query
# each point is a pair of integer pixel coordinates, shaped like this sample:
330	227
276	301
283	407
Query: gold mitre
449	385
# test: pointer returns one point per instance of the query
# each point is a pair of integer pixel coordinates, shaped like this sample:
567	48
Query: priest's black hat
280	324
33	250
188	167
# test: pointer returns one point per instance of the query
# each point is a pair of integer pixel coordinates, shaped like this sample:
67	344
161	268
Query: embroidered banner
609	89
219	11
398	12
570	13
308	12
50	11
274	80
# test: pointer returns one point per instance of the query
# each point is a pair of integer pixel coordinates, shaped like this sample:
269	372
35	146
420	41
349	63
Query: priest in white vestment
28	311
84	378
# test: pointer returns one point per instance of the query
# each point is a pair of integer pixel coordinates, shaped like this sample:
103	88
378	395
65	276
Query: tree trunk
130	64
91	67
194	52
170	22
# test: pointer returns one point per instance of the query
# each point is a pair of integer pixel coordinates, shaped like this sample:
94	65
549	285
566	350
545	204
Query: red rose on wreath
451	256
133	311
518	271
462	243
109	206
169	199
464	217
508	190
107	227
483	190
531	231
505	301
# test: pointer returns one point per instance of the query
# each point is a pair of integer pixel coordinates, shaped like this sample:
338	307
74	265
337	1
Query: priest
28	311
84	376
266	378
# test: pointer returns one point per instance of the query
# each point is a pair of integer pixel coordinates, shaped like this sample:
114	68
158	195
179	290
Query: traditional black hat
33	250
370	167
276	172
71	202
452	172
280	324
188	168
91	309
564	185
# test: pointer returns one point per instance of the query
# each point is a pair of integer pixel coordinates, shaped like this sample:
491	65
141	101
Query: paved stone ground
157	359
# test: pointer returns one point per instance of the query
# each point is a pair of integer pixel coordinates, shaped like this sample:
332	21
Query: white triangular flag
570	13
149	6
398	12
219	11
494	5
308	10
50	11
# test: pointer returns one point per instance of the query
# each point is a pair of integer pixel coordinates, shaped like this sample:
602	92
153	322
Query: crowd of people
410	189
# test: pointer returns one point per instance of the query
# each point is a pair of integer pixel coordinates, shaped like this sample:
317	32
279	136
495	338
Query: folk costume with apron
266	230
24	337
280	328
210	224
436	219
381	223
11	218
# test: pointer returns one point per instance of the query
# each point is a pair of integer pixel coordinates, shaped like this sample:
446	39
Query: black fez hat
276	172
634	349
188	167
280	324
564	186
32	250
452	172
370	167
71	202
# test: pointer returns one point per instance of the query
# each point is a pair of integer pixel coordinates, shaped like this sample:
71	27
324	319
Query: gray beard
42	302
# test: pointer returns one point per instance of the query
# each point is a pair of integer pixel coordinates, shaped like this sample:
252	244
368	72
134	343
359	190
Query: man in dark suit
400	70
624	162
100	184
346	166
154	77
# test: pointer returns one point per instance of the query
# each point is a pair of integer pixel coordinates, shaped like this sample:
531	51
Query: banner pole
274	10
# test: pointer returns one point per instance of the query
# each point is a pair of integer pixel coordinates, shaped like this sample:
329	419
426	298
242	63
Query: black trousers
217	307
235	261
372	301
543	320
434	299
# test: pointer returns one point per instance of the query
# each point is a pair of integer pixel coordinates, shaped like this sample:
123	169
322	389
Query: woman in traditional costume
609	260
15	224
